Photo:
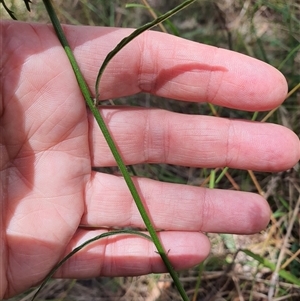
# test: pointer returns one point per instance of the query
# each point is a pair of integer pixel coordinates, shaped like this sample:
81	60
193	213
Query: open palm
51	200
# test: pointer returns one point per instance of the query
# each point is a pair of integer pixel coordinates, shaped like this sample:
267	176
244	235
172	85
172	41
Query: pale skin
50	142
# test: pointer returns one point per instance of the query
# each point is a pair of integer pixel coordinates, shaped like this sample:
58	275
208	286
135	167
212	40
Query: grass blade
77	249
132	36
282	273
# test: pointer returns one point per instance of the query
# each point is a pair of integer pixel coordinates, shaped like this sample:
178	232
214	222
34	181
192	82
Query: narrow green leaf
282	273
134	5
136	33
255	114
225	169
290	54
172	27
77	249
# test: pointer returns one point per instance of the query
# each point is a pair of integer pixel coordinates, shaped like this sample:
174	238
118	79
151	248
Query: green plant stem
225	169
212	179
87	96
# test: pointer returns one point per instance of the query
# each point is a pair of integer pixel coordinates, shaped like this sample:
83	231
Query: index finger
176	68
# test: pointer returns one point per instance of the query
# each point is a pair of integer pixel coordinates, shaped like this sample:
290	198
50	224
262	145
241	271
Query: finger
155	62
131	255
173	207
158	136
172	67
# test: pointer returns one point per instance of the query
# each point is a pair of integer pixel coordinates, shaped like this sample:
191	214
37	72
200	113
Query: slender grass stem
87	96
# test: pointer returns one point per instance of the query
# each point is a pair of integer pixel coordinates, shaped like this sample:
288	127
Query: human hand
50	142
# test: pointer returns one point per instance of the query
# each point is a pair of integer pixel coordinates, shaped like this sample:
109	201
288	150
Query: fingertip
187	250
237	212
255	214
269	86
259	214
289	149
250	84
263	215
279	89
274	148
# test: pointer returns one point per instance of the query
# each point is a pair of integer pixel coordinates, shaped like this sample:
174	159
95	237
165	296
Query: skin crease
49	143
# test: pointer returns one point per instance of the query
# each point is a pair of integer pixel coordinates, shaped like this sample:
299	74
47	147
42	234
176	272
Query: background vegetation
270	31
